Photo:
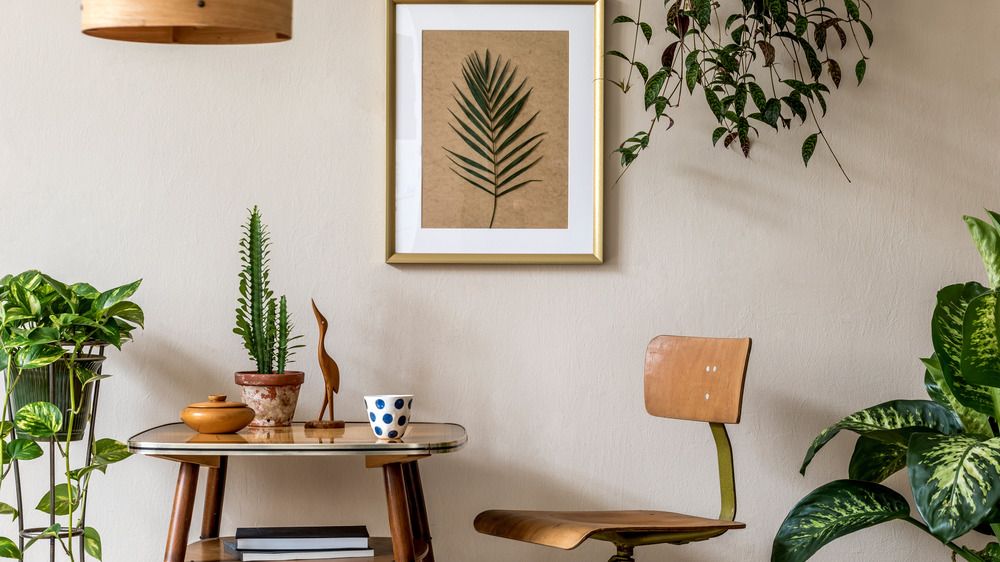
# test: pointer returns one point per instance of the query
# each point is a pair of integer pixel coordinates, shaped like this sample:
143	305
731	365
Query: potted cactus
262	321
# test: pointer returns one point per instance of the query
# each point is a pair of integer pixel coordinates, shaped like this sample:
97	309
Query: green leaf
643	71
7	509
653	86
987	239
39	419
8	549
859	70
85	291
52	531
66	497
874	460
92	542
717	134
868	33
109	298
801	25
23	450
67	294
87	376
779	11
38	356
109	451
623	19
955	481
128	311
647	31
757	95
980	348
713	103
5	429
882	422
852	9
991	553
832	511
703	12
815	67
808	147
947	332
619	54
77	474
973	421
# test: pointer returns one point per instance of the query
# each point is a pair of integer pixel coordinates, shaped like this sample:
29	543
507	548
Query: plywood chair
686	378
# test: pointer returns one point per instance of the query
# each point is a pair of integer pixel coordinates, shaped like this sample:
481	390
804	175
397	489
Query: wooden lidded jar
217	415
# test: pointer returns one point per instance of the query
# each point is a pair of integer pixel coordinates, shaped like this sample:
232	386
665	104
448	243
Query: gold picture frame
527	76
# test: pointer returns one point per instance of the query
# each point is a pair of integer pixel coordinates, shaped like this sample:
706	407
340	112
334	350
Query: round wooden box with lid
217	415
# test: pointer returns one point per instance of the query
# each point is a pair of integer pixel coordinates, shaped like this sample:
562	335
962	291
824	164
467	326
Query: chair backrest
696	378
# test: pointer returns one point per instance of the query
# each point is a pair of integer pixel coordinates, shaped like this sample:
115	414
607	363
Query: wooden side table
411	539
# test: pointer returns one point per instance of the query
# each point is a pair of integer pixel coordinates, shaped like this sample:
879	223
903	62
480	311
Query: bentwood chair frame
699	379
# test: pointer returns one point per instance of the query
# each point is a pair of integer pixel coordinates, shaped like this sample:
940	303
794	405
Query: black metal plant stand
33	532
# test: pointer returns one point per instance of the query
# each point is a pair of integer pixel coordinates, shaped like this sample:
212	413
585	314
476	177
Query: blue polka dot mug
389	414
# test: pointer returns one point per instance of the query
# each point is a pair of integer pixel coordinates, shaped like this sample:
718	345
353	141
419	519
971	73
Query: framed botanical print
494	113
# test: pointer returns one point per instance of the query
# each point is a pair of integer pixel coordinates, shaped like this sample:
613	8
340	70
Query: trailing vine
791	43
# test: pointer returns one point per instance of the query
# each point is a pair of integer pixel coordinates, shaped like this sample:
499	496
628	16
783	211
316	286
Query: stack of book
299	543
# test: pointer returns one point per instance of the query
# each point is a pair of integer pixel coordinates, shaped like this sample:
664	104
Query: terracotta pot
272	397
217	415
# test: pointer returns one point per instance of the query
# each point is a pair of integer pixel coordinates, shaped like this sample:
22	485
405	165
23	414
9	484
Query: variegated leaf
991	553
980	349
111	297
832	511
987	240
892	422
955	481
67	498
947	326
92	542
973	421
874	460
39	419
8	549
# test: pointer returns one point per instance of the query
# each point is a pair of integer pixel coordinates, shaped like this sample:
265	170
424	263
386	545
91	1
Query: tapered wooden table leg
418	510
215	490
180	517
399	513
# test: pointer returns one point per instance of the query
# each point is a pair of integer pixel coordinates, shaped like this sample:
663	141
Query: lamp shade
204	22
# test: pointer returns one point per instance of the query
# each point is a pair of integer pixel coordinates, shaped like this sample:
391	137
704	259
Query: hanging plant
759	63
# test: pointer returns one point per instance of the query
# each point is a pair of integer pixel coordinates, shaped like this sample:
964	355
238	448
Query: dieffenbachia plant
756	62
43	321
949	445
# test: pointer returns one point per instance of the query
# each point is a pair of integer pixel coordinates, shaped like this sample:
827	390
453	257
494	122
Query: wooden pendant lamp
201	22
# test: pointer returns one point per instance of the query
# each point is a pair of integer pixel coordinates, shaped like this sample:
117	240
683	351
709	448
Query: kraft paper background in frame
541	60
559	223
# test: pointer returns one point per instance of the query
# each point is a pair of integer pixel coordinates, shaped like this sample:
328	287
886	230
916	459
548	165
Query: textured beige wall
120	161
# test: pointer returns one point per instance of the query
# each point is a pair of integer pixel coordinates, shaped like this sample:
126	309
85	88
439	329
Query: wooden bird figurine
331	377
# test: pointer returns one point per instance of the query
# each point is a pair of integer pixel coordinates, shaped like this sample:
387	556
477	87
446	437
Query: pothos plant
44	321
261	319
949	445
756	62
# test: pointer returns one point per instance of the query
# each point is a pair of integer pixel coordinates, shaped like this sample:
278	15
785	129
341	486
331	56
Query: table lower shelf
210	550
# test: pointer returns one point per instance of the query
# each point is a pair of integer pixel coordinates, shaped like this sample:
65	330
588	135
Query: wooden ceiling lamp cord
204	22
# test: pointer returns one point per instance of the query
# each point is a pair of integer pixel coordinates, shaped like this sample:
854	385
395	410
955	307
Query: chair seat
567	529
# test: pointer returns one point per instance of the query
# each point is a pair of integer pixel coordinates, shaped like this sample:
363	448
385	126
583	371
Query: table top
356	438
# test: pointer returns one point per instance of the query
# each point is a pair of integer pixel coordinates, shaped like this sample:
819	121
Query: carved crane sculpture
331	376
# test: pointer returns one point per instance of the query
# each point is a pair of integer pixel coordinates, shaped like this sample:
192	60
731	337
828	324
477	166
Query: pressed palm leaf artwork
494	130
500	145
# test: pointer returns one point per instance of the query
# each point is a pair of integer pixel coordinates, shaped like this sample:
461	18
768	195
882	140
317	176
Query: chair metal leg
624	554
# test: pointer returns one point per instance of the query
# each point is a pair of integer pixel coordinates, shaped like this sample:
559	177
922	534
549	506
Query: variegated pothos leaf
891	421
947	326
955	481
832	511
973	421
980	349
